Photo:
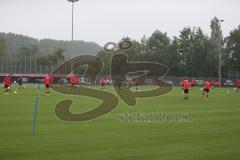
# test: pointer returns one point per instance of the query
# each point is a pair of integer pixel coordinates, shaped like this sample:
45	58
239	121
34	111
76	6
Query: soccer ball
15	92
228	92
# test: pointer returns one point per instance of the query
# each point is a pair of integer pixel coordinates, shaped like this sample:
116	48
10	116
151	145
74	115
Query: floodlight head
72	1
221	20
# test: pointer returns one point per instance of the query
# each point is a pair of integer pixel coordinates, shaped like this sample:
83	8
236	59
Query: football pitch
213	132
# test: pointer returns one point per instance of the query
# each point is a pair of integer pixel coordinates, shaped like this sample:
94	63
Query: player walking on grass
47	82
20	83
51	80
119	83
102	83
238	85
213	83
7	81
206	88
186	86
136	83
182	83
74	81
193	82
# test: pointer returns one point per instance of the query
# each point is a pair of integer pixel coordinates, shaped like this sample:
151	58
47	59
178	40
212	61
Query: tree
143	49
134	51
158	48
106	59
185	45
24	51
174	57
232	51
194	49
217	41
2	47
57	56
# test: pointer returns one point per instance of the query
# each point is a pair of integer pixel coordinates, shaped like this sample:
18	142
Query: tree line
192	53
47	51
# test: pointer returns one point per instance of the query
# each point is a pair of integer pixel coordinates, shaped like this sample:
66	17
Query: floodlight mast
220	61
72	1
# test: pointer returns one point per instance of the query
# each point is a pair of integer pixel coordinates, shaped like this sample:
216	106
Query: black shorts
192	85
20	83
206	90
6	86
186	91
47	85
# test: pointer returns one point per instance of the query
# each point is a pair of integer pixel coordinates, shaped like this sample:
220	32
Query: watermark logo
120	67
122	46
156	116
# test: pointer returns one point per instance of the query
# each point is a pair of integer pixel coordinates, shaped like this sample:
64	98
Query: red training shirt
186	84
7	80
47	80
207	85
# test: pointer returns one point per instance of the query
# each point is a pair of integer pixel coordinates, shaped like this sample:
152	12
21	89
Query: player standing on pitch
7	81
20	83
186	86
51	80
193	82
206	88
119	83
182	83
102	83
47	82
74	81
136	82
213	83
238	85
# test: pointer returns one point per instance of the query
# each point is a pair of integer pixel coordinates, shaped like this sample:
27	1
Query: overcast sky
102	21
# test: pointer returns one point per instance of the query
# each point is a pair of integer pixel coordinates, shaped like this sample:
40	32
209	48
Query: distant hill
14	42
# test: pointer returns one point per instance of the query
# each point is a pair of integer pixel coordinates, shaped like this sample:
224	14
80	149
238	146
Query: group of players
7	82
74	81
48	81
186	85
105	81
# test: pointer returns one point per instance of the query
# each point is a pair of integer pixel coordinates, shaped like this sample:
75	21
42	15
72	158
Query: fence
24	65
233	74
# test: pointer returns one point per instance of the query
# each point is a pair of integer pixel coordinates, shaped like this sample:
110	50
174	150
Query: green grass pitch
213	133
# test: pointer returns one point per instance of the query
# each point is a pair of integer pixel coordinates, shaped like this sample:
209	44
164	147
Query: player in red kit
182	83
213	83
193	83
74	81
7	81
206	88
186	86
47	82
51	80
238	85
103	83
136	82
